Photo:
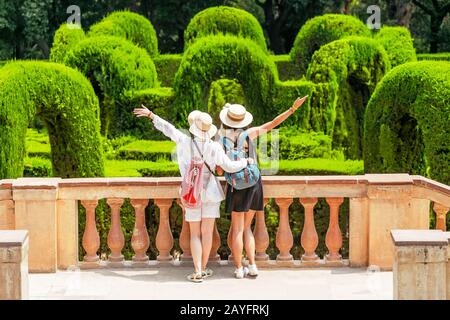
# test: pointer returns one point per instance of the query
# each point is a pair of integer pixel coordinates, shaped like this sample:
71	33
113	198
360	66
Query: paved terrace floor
170	283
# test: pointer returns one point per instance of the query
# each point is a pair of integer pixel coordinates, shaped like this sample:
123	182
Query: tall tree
437	10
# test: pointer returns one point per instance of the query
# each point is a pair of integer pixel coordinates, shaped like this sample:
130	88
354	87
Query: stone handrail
48	208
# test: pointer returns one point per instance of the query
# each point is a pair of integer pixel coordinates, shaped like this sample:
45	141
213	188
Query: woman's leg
237	222
196	245
249	239
207	237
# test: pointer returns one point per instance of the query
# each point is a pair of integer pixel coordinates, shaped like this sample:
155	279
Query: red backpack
192	184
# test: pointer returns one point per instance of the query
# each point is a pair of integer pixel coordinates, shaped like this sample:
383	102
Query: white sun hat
194	114
202	126
235	116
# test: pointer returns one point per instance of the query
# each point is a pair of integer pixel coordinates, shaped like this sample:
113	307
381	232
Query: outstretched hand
298	102
143	112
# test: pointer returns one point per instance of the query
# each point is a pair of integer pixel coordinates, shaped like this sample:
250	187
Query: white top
212	151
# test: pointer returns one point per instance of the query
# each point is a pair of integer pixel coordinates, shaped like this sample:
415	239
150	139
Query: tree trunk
435	25
404	12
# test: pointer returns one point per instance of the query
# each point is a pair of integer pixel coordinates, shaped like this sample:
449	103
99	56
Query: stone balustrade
48	209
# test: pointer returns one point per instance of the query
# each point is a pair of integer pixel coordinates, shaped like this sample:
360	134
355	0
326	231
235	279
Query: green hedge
287	69
114	66
65	38
64	99
167	66
224	20
217	57
159	100
398	44
350	69
407	123
147	150
442	56
128	25
321	30
224	91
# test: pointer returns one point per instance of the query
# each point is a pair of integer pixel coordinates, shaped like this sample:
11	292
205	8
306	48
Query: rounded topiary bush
128	25
321	30
221	92
398	44
224	20
65	38
346	72
64	99
114	66
407	122
217	57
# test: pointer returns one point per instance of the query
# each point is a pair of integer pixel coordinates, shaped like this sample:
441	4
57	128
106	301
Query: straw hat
235	116
202	126
192	116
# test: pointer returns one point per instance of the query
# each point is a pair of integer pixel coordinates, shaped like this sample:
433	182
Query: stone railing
48	209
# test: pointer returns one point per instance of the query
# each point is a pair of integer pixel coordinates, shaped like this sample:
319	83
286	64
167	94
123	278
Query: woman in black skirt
244	203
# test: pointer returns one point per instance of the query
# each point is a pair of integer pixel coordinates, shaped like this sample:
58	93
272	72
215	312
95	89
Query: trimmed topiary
224	20
128	25
321	30
216	57
66	37
64	99
159	100
114	66
167	66
398	44
287	69
442	56
349	70
407	122
221	92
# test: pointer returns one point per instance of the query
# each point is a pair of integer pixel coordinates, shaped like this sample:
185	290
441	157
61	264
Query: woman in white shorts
201	220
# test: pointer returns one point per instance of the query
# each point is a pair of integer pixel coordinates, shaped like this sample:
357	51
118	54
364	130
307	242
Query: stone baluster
441	213
261	235
214	256
91	239
284	239
309	238
229	242
333	239
185	237
140	240
116	239
164	238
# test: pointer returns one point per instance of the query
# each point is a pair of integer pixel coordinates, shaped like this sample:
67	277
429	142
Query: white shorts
207	210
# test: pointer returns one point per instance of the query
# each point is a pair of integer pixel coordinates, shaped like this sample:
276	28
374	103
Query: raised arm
162	125
266	127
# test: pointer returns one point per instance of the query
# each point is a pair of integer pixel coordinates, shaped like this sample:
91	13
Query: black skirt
245	199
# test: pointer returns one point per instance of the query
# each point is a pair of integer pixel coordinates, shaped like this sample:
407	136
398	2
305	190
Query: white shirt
212	151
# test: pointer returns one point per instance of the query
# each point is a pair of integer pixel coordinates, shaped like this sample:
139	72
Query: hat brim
204	135
235	124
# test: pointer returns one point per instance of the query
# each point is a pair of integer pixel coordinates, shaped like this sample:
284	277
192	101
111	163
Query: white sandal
207	273
195	277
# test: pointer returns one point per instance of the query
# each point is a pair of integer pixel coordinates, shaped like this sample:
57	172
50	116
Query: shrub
37	144
64	99
350	69
37	167
398	44
221	92
114	66
287	69
216	57
321	30
128	25
442	56
65	38
224	20
166	67
159	100
147	150
407	124
285	95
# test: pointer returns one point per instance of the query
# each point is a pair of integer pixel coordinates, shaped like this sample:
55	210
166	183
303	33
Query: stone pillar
359	232
185	237
164	238
420	262
67	225
392	206
284	240
333	238
441	215
261	235
116	239
13	265
36	211
309	238
140	240
91	238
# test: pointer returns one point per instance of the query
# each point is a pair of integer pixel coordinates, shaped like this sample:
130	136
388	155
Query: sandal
195	277
207	273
